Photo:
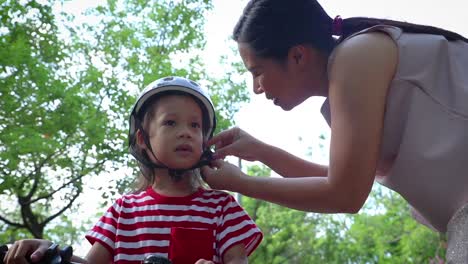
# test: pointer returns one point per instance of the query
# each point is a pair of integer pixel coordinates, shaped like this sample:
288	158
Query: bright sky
268	122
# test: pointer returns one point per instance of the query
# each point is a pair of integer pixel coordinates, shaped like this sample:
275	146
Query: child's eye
196	125
169	123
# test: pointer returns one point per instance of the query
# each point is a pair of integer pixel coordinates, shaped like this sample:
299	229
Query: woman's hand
223	175
20	250
235	142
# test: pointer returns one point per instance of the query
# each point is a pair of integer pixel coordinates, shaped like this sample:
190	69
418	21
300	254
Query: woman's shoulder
367	45
364	53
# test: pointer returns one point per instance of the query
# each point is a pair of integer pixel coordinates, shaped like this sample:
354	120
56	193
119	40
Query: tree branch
3	172
8	222
37	175
80	176
70	203
29	219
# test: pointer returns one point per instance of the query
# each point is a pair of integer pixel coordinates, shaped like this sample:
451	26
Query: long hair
356	24
272	27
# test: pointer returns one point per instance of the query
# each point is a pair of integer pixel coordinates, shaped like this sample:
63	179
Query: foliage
65	91
383	232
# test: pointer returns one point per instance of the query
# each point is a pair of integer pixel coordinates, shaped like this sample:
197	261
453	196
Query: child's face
176	133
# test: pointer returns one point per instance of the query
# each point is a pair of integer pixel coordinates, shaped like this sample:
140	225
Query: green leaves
66	88
383	232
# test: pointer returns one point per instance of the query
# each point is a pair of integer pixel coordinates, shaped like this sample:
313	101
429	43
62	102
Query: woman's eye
196	125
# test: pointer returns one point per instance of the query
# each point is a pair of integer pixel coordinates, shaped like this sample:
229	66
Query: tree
288	233
65	92
44	115
383	232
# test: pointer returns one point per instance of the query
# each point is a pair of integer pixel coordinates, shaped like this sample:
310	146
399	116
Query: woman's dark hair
272	27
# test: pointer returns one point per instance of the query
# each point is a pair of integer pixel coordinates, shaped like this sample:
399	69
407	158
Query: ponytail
355	24
272	27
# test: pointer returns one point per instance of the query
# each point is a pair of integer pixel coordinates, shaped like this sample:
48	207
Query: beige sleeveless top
424	152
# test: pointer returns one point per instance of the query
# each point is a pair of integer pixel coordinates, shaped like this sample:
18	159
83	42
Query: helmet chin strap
175	174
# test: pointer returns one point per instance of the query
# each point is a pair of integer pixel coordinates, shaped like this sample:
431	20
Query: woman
397	105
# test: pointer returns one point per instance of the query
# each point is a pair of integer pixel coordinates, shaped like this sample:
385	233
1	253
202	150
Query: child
172	215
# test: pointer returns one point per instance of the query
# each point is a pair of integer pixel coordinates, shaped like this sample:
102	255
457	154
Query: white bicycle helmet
173	83
168	84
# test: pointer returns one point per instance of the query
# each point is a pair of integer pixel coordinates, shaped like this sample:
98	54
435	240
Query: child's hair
143	112
148	114
272	27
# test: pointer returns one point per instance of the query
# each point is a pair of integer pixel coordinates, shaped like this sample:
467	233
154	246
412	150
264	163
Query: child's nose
185	132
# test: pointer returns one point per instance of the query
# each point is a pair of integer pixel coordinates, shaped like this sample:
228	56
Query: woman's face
288	84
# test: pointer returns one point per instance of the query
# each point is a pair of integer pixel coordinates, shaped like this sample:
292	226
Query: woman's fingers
221	153
207	171
226	137
220	138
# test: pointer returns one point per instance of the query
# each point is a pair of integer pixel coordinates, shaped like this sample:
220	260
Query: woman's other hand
223	175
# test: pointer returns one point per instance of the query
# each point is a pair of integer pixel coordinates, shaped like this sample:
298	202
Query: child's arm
98	254
236	255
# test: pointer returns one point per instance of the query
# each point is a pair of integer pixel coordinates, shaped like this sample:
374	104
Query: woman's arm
239	143
288	165
359	80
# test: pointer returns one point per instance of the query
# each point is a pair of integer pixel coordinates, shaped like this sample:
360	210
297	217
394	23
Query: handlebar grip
154	259
51	256
3	251
66	253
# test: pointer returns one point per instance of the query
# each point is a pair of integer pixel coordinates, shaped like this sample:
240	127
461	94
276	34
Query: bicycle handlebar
63	256
51	256
154	259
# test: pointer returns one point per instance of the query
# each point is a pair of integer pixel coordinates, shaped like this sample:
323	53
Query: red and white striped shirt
184	229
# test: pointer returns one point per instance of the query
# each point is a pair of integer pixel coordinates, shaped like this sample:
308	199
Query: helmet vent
168	79
194	83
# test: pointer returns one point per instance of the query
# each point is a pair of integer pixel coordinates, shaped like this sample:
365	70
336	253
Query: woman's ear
302	55
296	54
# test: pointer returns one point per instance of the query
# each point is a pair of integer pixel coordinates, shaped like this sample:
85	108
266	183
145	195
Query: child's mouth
184	148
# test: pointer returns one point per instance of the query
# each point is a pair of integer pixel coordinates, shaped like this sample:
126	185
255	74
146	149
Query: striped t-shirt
184	229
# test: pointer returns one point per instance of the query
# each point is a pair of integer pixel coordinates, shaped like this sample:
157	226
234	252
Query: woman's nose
257	88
